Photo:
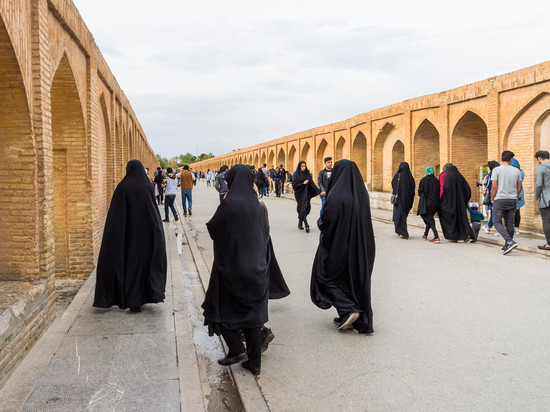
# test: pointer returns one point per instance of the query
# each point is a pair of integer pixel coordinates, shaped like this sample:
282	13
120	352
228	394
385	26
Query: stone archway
291	164
72	202
321	150
307	155
256	161
426	149
281	158
342	150
360	154
397	156
106	163
383	157
271	159
263	160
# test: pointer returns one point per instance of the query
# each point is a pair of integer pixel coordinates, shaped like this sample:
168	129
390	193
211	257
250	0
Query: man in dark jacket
322	180
278	178
283	173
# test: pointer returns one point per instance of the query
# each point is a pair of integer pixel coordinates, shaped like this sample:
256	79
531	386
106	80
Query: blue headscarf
429	171
521	202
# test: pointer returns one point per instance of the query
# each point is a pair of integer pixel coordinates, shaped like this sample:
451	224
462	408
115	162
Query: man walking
278	178
186	190
170	196
323	178
542	192
283	173
506	187
267	175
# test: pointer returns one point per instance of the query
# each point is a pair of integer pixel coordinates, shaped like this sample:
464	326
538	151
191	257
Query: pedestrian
342	269
266	174
476	217
506	188
323	178
403	186
131	268
147	172
159	180
428	191
283	173
208	176
245	272
453	207
195	177
261	182
172	185
487	195
521	199
277	178
157	171
271	171
222	183
187	183
304	191
442	178
542	193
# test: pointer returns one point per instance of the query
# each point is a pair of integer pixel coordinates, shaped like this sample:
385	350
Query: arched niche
342	150
321	154
360	153
281	158
426	149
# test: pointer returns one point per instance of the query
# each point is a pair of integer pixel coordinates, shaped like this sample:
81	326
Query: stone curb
249	390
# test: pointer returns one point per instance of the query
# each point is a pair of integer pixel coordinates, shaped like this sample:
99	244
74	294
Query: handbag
394	199
487	199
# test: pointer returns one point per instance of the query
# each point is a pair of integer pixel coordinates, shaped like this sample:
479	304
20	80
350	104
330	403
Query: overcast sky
214	76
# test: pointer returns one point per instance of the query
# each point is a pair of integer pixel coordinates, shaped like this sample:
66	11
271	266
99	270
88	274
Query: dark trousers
278	189
430	224
169	203
475	227
504	209
253	339
517	218
545	214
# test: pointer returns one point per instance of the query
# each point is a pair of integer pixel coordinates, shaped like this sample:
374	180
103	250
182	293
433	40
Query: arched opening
383	157
256	161
360	154
17	168
469	148
426	149
106	170
397	155
271	160
342	150
281	158
291	164
72	202
542	132
120	167
321	149
263	160
307	156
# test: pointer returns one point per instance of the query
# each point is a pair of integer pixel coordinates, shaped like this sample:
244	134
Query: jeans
505	209
186	194
322	203
266	188
169	203
545	214
490	222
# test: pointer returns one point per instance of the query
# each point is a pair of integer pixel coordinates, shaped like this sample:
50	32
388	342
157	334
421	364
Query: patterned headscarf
429	171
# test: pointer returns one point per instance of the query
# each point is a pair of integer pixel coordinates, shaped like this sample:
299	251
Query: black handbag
394	199
487	199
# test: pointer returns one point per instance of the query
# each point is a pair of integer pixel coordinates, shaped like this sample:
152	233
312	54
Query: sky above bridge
215	76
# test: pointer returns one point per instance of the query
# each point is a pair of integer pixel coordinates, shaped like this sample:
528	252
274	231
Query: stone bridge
467	126
66	133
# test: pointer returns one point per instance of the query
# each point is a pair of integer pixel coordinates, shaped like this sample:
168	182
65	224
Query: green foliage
182	159
162	160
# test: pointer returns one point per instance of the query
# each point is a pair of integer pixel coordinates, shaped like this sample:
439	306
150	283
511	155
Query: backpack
217	183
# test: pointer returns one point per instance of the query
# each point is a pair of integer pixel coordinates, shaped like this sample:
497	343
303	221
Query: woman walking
245	273
428	191
345	257
304	190
487	195
453	207
131	269
403	186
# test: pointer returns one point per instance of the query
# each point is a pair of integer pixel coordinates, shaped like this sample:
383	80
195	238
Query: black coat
303	193
245	273
453	212
345	257
403	186
428	191
131	269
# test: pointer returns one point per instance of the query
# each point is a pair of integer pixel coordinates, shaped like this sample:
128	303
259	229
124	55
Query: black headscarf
303	193
245	272
403	185
131	269
428	191
345	257
453	214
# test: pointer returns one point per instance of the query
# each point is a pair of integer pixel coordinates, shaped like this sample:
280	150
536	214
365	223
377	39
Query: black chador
428	191
343	264
453	214
403	186
303	193
131	269
245	273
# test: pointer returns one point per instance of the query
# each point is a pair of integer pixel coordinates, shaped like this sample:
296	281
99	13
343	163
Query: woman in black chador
343	264
304	190
131	269
452	212
428	190
403	189
245	273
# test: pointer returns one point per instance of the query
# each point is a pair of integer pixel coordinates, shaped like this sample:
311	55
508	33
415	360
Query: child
475	219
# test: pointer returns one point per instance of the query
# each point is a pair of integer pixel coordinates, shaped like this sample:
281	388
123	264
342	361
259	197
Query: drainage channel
217	383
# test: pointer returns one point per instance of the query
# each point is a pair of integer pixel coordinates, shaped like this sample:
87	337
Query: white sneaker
497	234
486	229
516	232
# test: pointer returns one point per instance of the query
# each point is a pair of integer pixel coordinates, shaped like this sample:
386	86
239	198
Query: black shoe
300	226
307	228
135	309
473	241
255	371
511	245
228	361
176	218
337	321
166	220
267	337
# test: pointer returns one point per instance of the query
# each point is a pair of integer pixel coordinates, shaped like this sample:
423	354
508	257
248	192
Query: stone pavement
458	327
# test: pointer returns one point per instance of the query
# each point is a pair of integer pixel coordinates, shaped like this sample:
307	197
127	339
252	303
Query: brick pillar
444	133
493	128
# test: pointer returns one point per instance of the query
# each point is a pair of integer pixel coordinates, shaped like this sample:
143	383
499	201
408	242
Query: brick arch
307	155
465	111
425	149
281	158
542	132
321	151
17	168
382	157
291	163
397	155
257	160
106	163
469	148
72	222
263	159
120	171
342	150
271	159
360	153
